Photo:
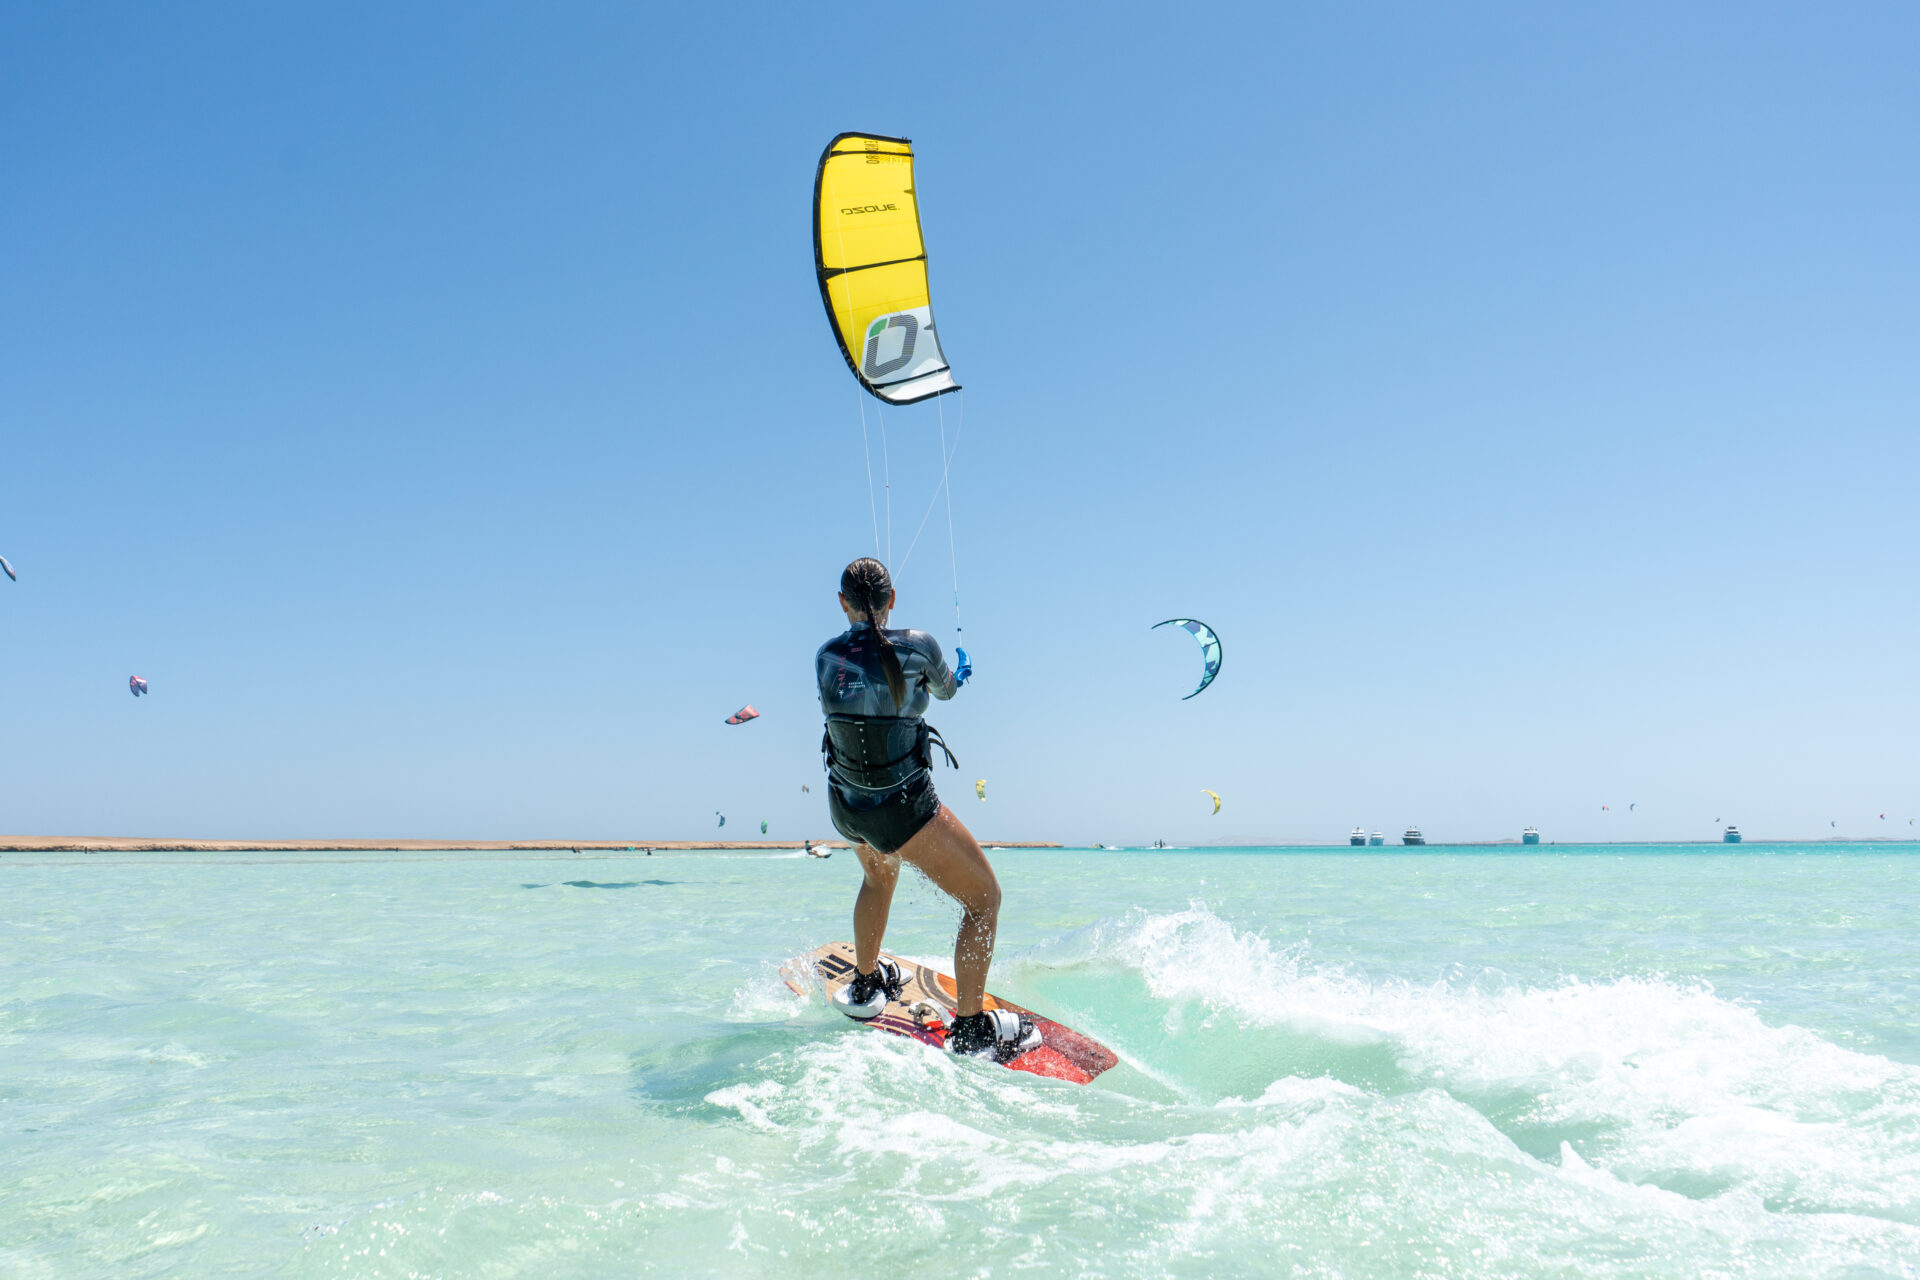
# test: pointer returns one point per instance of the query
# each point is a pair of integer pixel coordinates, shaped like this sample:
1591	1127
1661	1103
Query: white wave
766	996
1311	1177
1677	1086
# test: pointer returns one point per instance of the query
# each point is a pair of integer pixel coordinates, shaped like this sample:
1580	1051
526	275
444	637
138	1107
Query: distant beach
130	844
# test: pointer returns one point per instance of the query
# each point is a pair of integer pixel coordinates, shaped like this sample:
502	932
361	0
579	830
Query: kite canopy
721	816
980	788
137	685
1216	798
9	568
743	715
872	266
1210	651
763	826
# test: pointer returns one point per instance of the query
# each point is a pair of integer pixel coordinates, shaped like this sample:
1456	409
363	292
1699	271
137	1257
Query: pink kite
743	715
136	684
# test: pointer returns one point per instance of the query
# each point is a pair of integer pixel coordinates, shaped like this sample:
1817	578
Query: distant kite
980	788
1210	650
763	826
1632	807
9	568
743	715
138	685
806	789
1214	794
721	816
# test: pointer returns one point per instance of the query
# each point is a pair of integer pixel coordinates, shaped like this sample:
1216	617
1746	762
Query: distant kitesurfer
874	687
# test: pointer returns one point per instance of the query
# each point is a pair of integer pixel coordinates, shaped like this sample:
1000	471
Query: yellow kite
872	265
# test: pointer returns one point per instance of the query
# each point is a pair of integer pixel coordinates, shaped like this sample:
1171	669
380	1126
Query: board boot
867	995
1000	1034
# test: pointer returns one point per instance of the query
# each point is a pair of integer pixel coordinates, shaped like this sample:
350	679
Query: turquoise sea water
1572	1062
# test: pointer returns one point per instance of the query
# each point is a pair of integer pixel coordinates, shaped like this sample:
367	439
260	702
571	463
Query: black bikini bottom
888	825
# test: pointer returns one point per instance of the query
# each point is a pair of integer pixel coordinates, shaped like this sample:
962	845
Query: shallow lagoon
1567	1062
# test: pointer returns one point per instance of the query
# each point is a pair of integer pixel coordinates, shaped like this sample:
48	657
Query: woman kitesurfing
875	685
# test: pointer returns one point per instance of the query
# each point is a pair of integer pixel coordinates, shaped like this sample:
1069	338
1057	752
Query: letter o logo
874	367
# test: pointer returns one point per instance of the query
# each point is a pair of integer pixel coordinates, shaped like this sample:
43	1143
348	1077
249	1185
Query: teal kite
1210	650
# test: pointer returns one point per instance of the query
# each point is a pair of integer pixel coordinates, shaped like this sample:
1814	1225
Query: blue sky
436	406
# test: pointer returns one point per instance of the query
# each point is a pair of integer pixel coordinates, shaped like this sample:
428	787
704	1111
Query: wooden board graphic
926	1006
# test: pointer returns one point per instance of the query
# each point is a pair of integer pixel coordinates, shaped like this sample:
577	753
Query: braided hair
868	587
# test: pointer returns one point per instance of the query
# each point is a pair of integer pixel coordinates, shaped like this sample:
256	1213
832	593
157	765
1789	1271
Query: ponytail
866	585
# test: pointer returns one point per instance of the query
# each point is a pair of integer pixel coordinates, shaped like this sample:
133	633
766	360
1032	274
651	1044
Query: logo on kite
900	354
136	684
980	788
743	715
1214	794
9	568
1210	650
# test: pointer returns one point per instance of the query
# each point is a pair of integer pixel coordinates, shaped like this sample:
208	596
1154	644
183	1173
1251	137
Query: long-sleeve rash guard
876	745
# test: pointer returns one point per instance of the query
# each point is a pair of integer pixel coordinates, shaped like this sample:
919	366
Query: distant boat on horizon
1358	838
1412	836
1376	840
1530	836
1731	835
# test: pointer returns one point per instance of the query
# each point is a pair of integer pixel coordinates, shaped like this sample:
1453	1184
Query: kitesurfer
875	684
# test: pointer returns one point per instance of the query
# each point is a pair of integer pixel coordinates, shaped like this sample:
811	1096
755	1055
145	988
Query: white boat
1357	838
1530	836
1412	836
1731	835
1375	840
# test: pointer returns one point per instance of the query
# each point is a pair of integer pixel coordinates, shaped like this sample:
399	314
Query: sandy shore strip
124	844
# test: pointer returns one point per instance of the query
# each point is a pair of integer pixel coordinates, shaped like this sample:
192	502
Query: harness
871	738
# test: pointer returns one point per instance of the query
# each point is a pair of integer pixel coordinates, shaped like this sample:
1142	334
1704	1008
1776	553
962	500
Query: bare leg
871	907
949	855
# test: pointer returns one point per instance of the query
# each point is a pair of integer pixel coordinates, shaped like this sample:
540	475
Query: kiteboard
927	1004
